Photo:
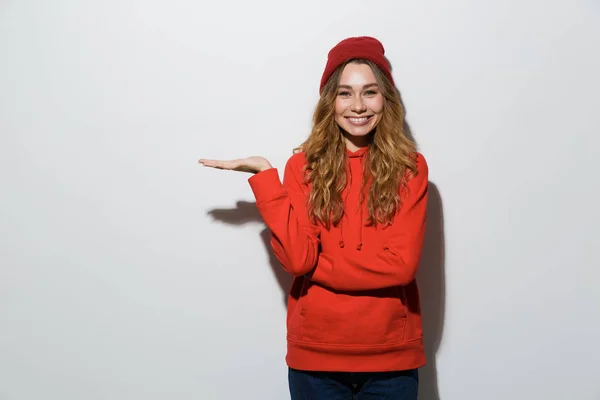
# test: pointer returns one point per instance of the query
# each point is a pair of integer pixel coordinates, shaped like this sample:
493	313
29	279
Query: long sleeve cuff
266	185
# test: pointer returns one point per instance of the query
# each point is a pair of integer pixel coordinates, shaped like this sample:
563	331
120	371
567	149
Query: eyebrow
364	87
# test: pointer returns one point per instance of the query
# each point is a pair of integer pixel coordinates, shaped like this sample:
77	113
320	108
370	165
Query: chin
358	131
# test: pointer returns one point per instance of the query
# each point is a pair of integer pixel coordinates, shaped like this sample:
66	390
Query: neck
354	143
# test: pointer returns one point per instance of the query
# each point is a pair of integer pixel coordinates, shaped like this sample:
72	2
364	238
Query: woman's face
358	105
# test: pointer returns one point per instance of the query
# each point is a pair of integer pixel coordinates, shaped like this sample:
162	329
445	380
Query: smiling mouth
359	121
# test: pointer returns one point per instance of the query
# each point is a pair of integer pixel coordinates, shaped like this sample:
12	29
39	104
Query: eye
344	94
370	93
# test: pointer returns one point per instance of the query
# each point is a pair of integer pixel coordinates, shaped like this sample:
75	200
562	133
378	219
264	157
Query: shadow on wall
432	290
247	212
430	278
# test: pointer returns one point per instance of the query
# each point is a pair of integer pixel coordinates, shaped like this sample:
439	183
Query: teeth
358	120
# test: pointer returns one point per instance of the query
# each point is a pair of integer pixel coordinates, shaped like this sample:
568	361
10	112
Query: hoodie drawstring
342	244
360	232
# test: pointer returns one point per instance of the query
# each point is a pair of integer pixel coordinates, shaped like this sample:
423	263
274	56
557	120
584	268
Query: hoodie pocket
374	317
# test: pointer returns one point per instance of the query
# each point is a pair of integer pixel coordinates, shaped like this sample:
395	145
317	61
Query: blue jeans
309	385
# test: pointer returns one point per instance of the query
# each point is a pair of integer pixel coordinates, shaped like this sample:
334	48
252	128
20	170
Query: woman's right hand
252	164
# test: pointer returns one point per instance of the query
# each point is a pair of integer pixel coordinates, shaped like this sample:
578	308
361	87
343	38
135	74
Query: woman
348	222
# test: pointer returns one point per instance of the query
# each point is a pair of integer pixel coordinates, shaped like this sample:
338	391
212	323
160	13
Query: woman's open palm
252	164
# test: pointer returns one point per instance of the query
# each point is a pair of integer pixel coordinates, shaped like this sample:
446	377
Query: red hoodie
354	304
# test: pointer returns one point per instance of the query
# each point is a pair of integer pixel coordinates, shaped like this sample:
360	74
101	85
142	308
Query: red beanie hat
364	47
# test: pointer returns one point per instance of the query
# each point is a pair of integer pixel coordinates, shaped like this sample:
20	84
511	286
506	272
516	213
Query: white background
128	271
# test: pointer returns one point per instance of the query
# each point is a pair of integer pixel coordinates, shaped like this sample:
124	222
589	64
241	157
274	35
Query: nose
357	105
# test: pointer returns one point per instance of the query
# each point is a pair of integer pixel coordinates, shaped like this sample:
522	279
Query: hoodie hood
360	153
